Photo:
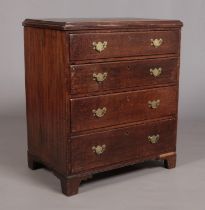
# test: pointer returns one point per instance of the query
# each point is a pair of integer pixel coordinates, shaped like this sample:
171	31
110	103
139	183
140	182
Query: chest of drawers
101	94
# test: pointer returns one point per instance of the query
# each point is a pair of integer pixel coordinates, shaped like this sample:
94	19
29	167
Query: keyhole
126	133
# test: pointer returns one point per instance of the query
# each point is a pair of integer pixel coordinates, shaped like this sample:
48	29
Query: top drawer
123	44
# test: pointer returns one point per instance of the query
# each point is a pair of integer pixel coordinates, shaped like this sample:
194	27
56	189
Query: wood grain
122	144
122	108
122	44
47	116
102	23
121	75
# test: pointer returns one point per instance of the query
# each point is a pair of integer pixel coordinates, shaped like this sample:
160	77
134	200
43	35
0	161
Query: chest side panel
47	113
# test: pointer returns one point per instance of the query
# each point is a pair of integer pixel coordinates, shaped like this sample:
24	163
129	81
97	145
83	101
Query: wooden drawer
122	144
107	110
122	44
117	75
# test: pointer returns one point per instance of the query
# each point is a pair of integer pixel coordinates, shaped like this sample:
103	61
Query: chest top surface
101	23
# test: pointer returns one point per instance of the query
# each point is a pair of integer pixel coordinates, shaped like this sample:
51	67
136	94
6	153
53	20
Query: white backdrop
12	13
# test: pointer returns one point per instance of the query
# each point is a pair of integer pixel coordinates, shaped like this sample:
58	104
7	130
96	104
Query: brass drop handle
100	77
99	149
156	71
153	139
99	112
154	104
156	42
99	46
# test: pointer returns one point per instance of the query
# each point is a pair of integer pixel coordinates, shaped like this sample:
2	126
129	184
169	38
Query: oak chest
101	94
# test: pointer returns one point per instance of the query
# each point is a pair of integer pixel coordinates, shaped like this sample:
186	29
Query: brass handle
153	139
100	77
99	149
99	46
154	104
156	42
99	112
156	71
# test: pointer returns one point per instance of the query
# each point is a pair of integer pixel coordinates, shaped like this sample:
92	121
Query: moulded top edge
97	23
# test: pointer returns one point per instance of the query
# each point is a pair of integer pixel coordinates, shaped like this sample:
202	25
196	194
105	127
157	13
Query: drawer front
107	110
116	75
123	44
139	141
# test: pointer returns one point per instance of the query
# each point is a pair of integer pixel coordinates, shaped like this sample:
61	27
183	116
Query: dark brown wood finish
170	161
46	90
61	95
121	75
123	44
122	108
131	141
80	24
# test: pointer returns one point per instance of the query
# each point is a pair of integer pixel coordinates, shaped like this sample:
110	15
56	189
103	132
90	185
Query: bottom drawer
109	147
